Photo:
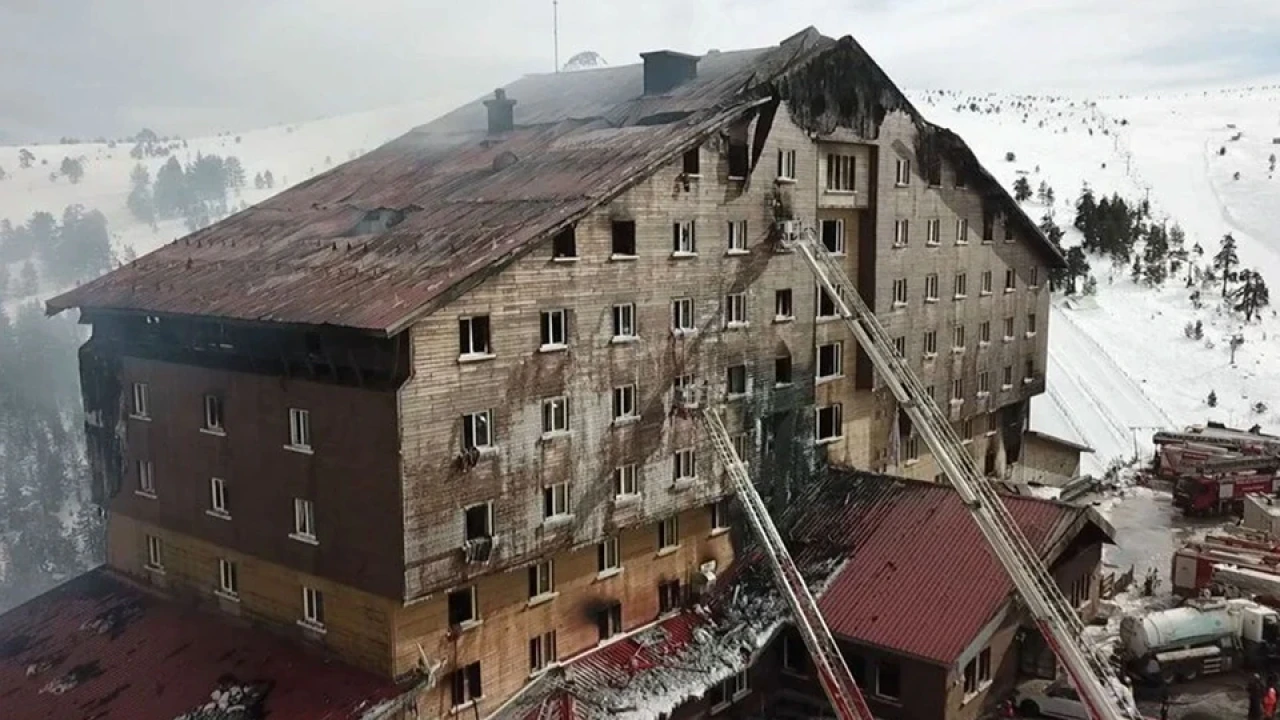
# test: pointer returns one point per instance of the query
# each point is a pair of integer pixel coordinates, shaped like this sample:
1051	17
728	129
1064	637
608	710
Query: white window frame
933	232
911	449
736	237
958	338
962	231
1034	280
984	383
474	348
836	412
684	238
901	233
228	579
837	361
299	430
900	292
820	293
155	553
542	577
984	333
473	422
787	165
976	675
902	173
556	503
900	346
488	521
214	415
624	404
669	534
147	479
683	321
930	344
784	307
542	652
624	323
841	174
1010	280
684	466
735	310
141	401
957	391
732	689
961	286
746	381
719	511
1006	378
312	608
556	333
1031	325
931	287
608	557
841	243
626	482
304	521
1008	328
986	283
218	498
471	697
555	416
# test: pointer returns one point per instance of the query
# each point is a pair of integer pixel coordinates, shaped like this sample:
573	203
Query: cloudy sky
109	67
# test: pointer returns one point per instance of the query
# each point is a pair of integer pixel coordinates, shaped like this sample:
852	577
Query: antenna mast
555	29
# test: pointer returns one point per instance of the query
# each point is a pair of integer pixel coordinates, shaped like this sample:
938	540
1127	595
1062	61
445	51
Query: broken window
313	606
542	651
692	164
213	413
977	674
473	335
624	321
462	606
541	579
623	238
668	596
609	621
565	244
684	238
669	533
477	430
736	380
782	370
830	360
739	157
555	329
477	522
830	425
464	684
782	309
833	236
624	403
840	172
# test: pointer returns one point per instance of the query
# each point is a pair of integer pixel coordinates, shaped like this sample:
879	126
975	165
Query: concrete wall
1046	461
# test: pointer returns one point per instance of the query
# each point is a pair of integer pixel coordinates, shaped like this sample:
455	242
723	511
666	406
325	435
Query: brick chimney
501	113
664	70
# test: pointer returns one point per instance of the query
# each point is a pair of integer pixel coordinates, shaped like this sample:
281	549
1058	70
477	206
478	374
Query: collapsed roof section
379	241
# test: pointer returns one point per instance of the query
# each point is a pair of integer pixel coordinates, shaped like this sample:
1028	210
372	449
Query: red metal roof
919	577
99	648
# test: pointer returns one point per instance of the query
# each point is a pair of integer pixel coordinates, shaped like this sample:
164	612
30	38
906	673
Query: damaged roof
100	648
377	242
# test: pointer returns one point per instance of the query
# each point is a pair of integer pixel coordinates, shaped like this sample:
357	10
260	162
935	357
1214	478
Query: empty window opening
1010	280
609	621
565	244
962	285
782	370
833	237
826	304
930	343
477	522
830	360
736	380
669	598
462	606
986	282
692	163
623	238
782	308
723	693
829	425
719	511
932	232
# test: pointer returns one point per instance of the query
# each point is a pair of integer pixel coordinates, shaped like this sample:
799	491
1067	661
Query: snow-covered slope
1120	363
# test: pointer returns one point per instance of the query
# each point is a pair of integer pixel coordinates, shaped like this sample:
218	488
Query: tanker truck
1203	637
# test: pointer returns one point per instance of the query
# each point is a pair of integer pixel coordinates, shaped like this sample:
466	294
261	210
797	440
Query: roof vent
501	112
664	70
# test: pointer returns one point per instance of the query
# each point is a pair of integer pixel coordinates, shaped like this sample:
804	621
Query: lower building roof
100	648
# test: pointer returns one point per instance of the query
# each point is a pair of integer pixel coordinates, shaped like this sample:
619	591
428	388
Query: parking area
1220	697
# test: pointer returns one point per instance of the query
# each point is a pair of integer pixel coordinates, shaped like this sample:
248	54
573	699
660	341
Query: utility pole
555	29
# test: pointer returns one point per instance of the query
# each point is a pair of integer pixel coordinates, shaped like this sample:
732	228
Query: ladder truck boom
833	673
1091	673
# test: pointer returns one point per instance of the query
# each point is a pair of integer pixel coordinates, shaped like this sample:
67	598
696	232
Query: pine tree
140	201
72	168
1212	400
1251	295
28	281
1155	255
1042	191
1226	261
268	180
25	159
1021	189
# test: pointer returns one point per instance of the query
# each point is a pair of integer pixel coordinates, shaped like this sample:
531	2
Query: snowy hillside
1120	360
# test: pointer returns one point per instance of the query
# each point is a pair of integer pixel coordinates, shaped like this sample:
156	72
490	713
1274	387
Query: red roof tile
919	578
98	648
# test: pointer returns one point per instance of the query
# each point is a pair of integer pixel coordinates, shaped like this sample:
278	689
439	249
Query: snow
1120	366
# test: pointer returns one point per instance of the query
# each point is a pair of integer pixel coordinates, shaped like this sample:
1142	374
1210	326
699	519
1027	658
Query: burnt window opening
623	238
465	685
782	370
692	162
739	159
377	221
565	244
933	172
668	596
478	522
988	227
462	606
609	621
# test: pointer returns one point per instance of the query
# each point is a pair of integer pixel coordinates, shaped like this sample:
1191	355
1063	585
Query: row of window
960	286
933	232
623	246
959	336
967	431
214	417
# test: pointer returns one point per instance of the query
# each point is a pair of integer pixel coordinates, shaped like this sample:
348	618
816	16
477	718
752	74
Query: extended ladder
833	672
1096	681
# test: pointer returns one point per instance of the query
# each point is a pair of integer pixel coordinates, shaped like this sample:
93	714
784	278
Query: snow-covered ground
1120	364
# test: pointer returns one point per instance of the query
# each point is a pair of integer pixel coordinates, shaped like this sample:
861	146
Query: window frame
786	165
900	292
466	687
141	408
471	424
473	607
146	478
835	361
555	416
962	231
931	288
930	344
683	320
841	246
478	331
313	614
736	237
735	311
304	521
783	299
841	177
542	653
624	404
299	430
608	557
155	553
668	534
556	502
624	323
626	481
902	173
901	233
218	498
228	579
933	232
542	581
684	466
897	670
961	284
835	420
684	238
214	415
547	329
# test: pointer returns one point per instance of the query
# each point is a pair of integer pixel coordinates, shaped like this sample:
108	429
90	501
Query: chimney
501	115
664	70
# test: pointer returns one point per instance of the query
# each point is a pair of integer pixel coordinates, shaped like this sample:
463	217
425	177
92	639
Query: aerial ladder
1099	687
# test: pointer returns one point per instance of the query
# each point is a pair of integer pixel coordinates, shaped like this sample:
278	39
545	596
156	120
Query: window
684	465
957	389
984	332
736	380
957	337
609	621
912	448
988	225
986	282
1008	231
477	430
984	383
900	291
830	360
625	483
555	415
555	329
735	310
993	423
607	557
477	522
669	533
624	403
684	238
719	514
931	287
299	429
736	237
795	657
833	236
730	689
962	285
624	321
304	520
1030	371
681	389
312	607
462	606
900	346
1007	378
840	172
977	674
1010	280
902	176
555	501
932	232
218	496
962	231
930	343
743	445
782	370
541	580
1031	324
622	234
668	596
1034	280
692	164
564	245
146	478
782	308
542	651
1008	328
787	164
682	314
830	425
228	578
966	429
888	679
465	685
213	413
961	180
901	233
827	304
141	400
473	335
155	553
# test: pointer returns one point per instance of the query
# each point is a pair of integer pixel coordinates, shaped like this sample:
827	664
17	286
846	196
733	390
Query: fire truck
1214	467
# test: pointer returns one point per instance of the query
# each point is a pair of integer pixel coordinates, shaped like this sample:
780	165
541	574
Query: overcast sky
110	67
